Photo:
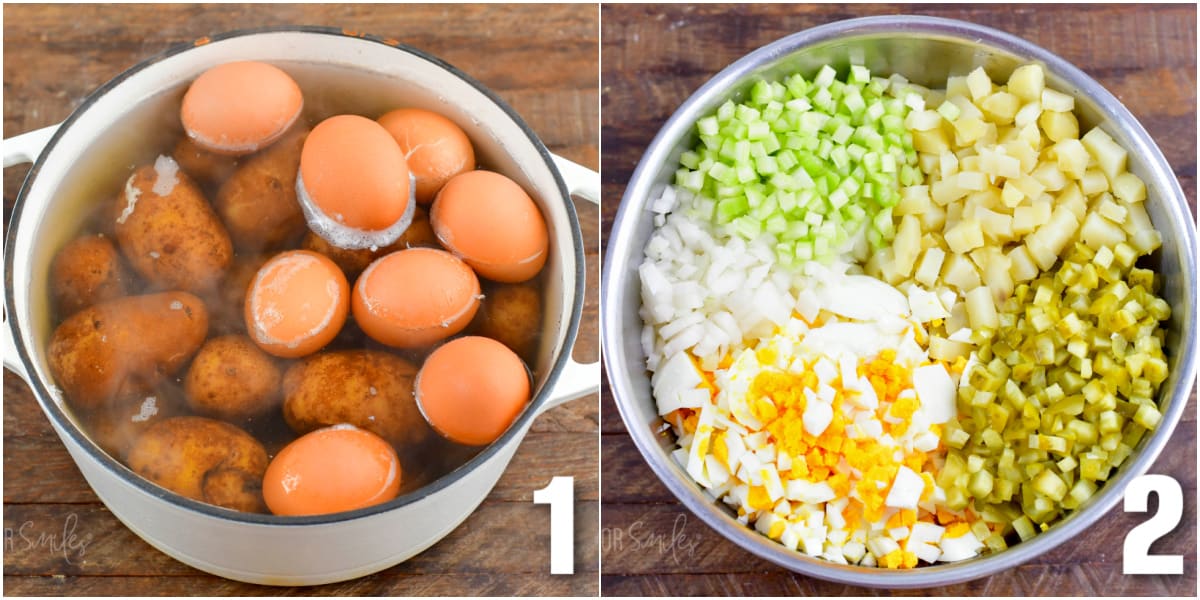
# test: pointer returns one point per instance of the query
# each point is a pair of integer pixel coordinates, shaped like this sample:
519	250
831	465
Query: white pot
109	129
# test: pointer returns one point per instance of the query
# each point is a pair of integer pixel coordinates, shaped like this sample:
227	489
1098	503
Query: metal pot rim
688	493
515	432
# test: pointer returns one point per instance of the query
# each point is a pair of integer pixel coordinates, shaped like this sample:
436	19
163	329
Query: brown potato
353	262
512	315
175	241
227	312
207	168
116	427
125	346
86	271
258	203
370	389
232	379
203	459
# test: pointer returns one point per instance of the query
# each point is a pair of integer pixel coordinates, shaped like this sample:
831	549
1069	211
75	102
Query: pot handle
581	181
26	147
575	381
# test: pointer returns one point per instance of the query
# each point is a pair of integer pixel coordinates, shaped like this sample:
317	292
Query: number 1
560	496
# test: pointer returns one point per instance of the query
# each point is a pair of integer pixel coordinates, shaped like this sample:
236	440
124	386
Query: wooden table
60	540
654	57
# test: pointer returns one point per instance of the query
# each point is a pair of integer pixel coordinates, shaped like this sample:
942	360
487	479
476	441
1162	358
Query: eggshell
415	297
353	172
240	107
435	147
331	470
491	223
471	389
296	304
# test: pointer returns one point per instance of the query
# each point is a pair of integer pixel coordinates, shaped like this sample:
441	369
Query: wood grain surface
654	57
542	60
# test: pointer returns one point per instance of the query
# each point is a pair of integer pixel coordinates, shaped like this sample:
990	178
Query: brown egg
354	183
296	304
332	470
435	147
415	297
471	389
240	107
491	223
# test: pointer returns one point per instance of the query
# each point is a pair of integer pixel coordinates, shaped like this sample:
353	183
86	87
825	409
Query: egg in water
415	297
240	107
354	184
332	470
435	147
471	389
296	304
492	224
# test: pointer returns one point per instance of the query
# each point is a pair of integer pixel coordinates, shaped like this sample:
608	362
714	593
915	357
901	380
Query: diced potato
1000	107
1047	242
1057	101
1072	157
914	200
979	84
948	162
981	309
931	265
958	271
1023	221
969	129
1108	154
1028	114
997	276
1093	182
1059	126
972	180
1030	186
1050	176
945	191
965	236
1098	231
1027	82
996	226
907	245
1129	187
1023	267
1012	195
945	350
935	141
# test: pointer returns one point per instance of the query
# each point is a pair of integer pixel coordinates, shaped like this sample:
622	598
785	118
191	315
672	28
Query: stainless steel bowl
926	50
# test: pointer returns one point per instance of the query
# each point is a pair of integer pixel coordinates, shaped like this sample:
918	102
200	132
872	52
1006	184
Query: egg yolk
435	147
240	107
471	389
332	470
415	297
296	304
488	220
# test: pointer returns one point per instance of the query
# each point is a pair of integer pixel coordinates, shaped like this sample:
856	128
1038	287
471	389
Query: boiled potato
232	379
203	459
512	315
367	388
87	270
116	427
258	203
227	312
125	346
353	262
207	168
173	239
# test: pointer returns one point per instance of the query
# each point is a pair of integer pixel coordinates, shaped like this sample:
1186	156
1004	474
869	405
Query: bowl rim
641	183
514	433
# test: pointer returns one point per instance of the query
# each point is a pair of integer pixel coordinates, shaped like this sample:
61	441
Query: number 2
1138	560
559	494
